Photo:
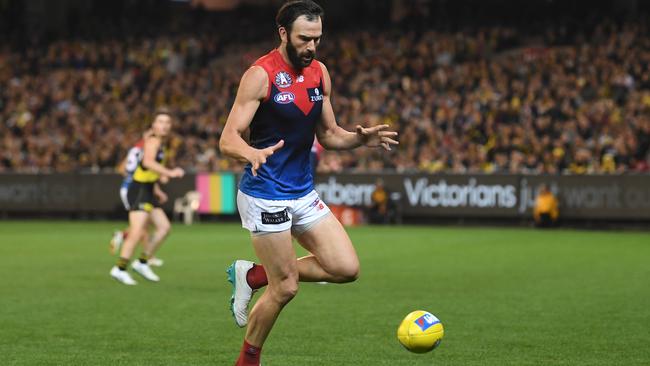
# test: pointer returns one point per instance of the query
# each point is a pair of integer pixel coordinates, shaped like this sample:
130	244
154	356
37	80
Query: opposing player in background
127	168
142	199
284	99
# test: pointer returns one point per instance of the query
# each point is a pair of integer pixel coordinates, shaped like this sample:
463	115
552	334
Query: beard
299	60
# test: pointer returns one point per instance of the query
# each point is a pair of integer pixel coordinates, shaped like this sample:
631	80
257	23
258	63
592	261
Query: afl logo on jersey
283	79
284	98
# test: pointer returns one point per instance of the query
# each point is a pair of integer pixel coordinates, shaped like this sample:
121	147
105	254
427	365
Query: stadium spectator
480	101
546	211
378	213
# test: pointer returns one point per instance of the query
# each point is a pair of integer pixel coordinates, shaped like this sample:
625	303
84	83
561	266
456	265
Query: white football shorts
262	216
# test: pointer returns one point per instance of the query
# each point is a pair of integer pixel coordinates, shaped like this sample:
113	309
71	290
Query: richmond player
142	202
127	168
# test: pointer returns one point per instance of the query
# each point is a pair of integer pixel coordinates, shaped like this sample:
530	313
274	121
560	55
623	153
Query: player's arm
162	196
252	90
151	146
121	167
333	137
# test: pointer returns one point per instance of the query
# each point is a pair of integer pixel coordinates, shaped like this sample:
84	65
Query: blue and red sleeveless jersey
290	112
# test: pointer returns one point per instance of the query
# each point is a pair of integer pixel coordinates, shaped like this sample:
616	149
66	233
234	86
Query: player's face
303	41
162	125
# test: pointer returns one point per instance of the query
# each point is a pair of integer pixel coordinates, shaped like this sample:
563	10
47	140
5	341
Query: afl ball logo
426	321
284	98
283	79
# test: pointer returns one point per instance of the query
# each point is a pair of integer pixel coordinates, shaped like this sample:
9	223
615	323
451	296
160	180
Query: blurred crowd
480	101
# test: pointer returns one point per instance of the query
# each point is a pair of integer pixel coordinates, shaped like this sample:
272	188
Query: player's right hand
177	173
260	155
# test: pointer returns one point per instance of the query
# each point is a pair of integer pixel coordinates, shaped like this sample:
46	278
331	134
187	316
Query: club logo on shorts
283	79
318	204
284	98
275	218
426	321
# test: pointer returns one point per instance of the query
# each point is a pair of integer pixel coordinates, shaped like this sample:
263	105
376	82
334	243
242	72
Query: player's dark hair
291	10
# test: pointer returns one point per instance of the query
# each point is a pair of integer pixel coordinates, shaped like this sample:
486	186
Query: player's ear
283	34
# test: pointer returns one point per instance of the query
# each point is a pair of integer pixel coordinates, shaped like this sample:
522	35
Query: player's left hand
162	197
377	136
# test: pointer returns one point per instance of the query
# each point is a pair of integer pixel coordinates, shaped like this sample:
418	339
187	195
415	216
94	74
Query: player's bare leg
158	218
162	227
118	239
120	235
333	257
276	253
137	225
146	238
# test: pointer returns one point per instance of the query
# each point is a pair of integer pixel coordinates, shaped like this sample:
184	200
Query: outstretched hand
377	136
177	173
260	155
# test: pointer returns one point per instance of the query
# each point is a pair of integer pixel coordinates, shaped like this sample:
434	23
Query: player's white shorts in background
261	216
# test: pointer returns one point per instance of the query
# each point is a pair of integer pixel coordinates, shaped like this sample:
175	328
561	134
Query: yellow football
420	332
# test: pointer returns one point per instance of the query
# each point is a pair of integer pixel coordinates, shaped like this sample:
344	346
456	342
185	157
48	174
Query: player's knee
164	229
286	290
345	273
350	273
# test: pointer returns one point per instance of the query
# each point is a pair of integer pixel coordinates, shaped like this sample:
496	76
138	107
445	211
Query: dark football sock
144	258
249	355
122	263
256	277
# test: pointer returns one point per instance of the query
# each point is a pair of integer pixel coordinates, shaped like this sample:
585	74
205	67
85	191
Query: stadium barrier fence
592	197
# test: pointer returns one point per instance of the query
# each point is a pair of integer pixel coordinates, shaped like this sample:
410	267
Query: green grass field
505	297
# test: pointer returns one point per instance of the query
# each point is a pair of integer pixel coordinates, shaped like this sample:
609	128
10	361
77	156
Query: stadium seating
484	101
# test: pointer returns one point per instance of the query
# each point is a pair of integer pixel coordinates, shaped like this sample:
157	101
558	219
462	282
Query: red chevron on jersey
300	88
